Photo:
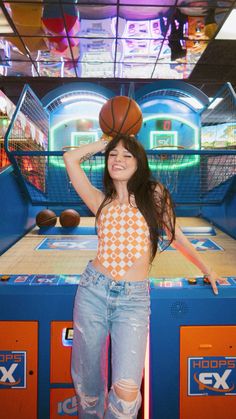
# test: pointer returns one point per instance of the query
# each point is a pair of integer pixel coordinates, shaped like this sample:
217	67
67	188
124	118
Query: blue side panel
17	215
172	308
224	215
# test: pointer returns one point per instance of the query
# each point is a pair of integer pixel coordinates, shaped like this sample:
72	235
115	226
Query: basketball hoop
168	147
167	164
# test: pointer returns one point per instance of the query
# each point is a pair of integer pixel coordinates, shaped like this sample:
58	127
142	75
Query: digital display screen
69	333
67	336
167	283
170	284
164	124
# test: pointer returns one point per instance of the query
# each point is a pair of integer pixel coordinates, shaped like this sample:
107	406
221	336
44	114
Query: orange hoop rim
178	147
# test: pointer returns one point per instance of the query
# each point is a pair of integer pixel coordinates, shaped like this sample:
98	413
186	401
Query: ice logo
68	407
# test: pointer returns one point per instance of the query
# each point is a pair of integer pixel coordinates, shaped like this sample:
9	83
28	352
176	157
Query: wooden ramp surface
22	258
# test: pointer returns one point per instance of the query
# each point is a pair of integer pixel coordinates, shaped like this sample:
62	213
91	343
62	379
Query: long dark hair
151	197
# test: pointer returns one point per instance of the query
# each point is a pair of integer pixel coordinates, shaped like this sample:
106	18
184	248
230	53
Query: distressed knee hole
126	390
87	401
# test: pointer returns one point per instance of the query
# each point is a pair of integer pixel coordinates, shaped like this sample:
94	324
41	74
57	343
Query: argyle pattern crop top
123	237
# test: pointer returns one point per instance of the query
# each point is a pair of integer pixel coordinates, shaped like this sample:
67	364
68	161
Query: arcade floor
24	258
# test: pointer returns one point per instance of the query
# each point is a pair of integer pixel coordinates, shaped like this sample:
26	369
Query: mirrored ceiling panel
154	28
114	38
104	27
17	69
97	50
144	51
4	25
96	11
57	49
13	48
162	3
138	70
178	70
97	69
54	69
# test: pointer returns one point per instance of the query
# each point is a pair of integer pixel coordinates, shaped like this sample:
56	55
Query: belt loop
95	276
127	288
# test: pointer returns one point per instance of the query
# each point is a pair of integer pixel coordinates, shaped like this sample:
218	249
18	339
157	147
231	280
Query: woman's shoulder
105	206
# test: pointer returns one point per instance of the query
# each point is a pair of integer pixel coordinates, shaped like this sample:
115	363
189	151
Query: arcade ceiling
115	41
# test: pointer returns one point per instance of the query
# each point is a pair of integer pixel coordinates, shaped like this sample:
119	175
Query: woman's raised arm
73	159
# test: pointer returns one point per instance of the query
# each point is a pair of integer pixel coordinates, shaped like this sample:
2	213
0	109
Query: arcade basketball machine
190	369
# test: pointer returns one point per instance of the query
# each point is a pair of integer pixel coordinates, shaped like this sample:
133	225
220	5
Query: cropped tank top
123	237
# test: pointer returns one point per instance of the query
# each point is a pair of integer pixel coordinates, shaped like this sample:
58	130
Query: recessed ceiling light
214	102
4	25
228	30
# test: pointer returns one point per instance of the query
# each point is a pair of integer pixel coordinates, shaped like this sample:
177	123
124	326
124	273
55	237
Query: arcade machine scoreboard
163	135
190	369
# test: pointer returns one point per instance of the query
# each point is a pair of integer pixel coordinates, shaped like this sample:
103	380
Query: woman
113	295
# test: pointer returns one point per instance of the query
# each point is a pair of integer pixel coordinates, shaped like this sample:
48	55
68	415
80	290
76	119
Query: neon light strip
83	97
86	166
162	166
146	380
153	166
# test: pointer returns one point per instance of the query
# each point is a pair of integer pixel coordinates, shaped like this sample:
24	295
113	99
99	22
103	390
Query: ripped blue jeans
120	309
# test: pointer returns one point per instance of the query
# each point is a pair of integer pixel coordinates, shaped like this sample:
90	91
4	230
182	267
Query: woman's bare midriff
138	272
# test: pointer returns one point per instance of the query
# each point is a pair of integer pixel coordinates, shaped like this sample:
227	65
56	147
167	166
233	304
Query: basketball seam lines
107	125
126	114
133	124
113	116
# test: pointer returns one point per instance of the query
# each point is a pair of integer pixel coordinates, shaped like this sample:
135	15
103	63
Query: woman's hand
106	139
212	277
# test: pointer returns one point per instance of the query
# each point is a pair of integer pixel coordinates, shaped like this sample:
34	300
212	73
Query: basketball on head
120	115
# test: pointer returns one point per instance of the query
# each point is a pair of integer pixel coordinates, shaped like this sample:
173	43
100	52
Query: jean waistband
95	275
